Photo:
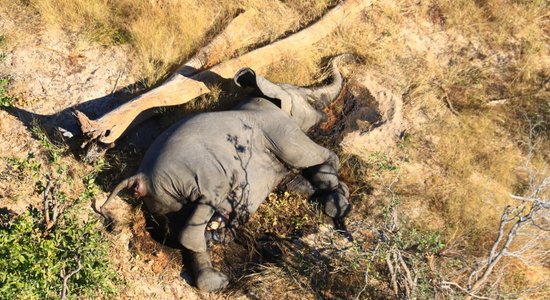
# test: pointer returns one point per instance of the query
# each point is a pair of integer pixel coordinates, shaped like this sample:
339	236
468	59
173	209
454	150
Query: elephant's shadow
62	127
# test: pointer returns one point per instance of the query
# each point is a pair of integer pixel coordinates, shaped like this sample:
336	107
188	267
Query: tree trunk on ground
235	36
180	89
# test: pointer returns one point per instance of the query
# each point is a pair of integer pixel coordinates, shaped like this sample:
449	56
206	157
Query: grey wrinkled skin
232	160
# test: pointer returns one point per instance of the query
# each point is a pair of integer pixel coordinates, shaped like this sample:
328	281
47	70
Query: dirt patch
366	117
161	256
377	125
50	71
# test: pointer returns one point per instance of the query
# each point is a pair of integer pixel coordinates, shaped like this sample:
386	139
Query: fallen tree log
180	89
237	35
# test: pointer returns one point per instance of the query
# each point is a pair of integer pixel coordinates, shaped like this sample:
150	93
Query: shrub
33	260
5	100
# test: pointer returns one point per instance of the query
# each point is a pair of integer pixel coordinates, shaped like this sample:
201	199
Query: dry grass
473	167
163	34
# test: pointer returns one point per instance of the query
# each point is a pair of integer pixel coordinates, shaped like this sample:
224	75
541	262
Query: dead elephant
230	161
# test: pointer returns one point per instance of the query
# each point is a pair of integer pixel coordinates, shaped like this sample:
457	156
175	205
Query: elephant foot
335	203
222	235
210	280
300	185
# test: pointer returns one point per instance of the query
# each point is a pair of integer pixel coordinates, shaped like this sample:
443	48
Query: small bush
5	100
286	215
33	259
43	244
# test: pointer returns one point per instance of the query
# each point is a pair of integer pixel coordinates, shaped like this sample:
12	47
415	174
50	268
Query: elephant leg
192	235
320	167
206	277
329	190
296	149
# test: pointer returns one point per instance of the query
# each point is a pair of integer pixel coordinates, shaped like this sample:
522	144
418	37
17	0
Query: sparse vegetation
164	33
5	100
2	54
286	215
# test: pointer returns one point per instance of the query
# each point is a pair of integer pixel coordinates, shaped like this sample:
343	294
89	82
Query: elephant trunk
322	96
135	181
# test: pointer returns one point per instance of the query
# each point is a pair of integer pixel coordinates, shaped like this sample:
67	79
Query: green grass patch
5	100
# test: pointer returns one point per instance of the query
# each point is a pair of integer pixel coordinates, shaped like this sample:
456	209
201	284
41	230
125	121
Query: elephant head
303	105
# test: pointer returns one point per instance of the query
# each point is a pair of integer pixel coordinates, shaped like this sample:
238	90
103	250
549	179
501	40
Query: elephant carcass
230	161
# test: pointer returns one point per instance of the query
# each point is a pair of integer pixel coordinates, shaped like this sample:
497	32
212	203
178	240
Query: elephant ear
246	77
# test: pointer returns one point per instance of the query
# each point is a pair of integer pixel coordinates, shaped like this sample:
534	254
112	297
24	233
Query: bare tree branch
51	203
393	276
66	279
411	284
449	284
47	201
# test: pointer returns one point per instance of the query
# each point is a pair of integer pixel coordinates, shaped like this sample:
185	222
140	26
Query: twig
116	82
474	274
66	279
545	203
447	100
367	271
495	257
56	211
450	105
65	55
511	222
411	283
448	284
47	202
392	274
503	100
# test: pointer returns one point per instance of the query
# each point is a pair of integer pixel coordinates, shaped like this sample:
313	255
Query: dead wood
180	89
236	36
66	279
51	205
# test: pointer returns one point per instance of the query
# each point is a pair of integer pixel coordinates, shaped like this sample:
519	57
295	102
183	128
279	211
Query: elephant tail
135	182
324	95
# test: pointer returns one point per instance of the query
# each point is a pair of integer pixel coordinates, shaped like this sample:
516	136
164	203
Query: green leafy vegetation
52	150
28	165
53	247
33	259
5	100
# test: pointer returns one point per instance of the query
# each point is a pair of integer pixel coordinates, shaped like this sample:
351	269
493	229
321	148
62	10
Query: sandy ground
51	71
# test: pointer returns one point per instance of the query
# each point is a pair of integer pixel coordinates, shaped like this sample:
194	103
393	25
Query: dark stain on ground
355	109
